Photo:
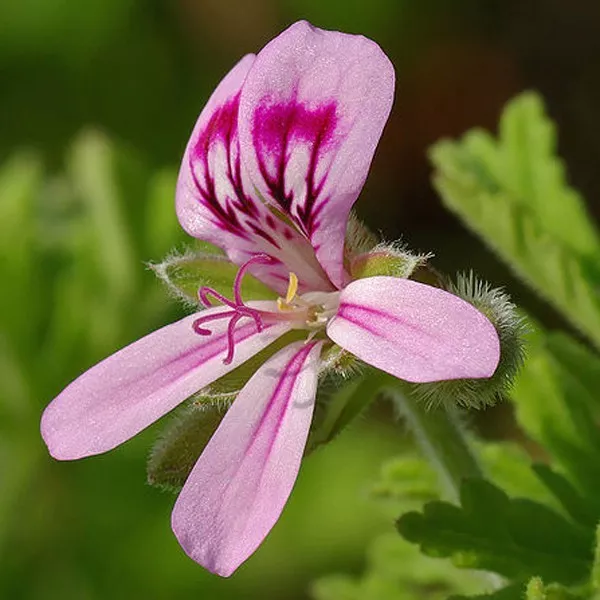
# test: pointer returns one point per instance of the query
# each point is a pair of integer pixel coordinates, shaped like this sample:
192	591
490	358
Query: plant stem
440	435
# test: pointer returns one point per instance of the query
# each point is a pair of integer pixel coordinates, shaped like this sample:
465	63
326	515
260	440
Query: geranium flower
274	164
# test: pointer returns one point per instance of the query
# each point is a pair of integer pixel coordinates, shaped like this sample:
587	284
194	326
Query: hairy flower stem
440	435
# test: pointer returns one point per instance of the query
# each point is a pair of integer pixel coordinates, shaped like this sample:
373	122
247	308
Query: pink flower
273	167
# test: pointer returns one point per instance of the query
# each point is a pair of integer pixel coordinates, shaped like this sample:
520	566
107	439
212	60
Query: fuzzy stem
440	435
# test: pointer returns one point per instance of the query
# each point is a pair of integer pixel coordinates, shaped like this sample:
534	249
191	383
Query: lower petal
414	331
240	484
126	392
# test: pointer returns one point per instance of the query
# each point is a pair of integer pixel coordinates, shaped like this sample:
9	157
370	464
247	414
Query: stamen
292	288
285	304
239	309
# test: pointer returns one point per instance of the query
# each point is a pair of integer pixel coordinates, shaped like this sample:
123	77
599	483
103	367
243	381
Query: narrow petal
312	110
240	484
414	331
134	387
215	202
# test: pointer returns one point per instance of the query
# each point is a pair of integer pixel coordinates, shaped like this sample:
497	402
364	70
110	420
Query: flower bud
393	261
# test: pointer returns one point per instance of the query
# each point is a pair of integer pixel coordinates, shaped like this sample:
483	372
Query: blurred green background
96	104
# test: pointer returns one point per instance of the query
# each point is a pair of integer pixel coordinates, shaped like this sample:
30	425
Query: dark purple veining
277	128
237	214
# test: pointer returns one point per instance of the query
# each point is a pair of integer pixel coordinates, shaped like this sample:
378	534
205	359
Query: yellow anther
292	288
286	304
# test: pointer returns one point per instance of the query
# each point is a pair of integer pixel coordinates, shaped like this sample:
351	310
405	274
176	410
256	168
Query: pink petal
312	110
215	202
414	331
240	484
134	387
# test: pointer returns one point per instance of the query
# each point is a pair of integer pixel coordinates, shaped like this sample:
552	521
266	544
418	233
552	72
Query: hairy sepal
393	261
182	441
184	274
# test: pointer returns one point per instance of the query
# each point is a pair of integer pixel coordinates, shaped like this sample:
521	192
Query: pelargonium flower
274	164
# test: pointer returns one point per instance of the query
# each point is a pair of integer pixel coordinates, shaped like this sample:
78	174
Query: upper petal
312	110
240	484
131	389
414	331
215	202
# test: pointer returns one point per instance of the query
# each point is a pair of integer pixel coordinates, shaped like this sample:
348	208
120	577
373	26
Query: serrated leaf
571	500
186	273
180	444
508	466
396	571
405	482
516	538
513	193
536	590
553	405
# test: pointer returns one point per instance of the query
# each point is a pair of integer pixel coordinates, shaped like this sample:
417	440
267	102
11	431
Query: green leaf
510	592
507	465
176	451
571	500
20	183
516	538
513	193
553	399
162	231
185	274
595	574
396	571
102	179
405	482
536	590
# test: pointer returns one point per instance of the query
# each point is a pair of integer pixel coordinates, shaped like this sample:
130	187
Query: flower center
311	311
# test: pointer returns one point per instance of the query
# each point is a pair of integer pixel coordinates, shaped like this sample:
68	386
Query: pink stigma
238	308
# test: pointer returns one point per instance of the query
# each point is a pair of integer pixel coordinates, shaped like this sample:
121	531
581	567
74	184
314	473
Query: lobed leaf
514	194
516	538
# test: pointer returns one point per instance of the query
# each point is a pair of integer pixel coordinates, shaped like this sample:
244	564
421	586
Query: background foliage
96	104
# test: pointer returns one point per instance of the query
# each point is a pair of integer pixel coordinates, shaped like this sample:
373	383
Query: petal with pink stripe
414	331
240	484
312	110
134	387
216	203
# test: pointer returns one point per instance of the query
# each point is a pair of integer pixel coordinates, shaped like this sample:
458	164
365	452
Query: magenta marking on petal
285	386
277	128
357	314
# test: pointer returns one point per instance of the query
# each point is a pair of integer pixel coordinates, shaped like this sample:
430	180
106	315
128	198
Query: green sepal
516	538
511	328
386	260
184	274
182	441
339	402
